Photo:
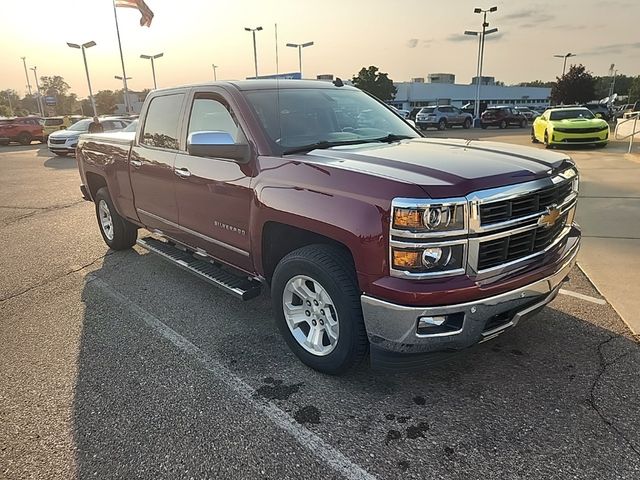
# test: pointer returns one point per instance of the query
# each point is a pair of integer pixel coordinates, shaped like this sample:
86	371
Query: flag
147	14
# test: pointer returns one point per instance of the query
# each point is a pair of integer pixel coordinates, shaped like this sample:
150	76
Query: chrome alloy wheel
106	222
311	315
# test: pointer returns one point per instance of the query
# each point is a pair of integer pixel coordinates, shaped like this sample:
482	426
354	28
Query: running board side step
239	287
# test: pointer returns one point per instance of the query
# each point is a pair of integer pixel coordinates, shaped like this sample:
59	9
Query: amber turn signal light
407	259
407	218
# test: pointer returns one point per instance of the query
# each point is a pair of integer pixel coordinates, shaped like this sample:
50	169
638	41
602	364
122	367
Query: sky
405	38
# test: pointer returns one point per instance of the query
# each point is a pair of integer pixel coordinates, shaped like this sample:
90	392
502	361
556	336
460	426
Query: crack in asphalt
37	210
592	396
55	278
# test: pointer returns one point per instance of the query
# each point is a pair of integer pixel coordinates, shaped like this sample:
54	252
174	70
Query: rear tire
325	273
546	140
503	124
467	124
118	233
523	123
24	138
442	124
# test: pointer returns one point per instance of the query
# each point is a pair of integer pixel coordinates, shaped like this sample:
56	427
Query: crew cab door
152	161
213	192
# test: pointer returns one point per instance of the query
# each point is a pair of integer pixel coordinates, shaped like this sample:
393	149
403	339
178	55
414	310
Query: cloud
414	42
533	17
613	48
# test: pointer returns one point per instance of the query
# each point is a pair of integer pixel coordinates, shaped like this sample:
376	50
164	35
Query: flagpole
124	74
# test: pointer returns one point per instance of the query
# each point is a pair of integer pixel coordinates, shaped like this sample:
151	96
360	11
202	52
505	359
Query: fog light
426	322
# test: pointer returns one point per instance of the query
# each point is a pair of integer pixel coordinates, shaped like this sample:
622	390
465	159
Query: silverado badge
550	217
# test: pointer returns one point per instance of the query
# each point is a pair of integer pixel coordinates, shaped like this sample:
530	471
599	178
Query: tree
576	86
376	83
106	101
54	85
634	90
9	103
537	83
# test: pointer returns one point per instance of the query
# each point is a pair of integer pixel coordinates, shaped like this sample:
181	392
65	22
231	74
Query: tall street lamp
153	68
299	46
564	64
125	93
40	106
83	47
481	35
26	75
255	53
215	77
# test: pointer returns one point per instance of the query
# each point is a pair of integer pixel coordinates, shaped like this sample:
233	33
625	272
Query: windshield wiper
326	144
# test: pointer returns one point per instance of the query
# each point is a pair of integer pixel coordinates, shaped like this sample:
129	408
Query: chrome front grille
521	206
513	247
57	141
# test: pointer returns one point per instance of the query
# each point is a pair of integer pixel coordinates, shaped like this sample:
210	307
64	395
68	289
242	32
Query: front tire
523	123
317	307
533	136
467	124
442	124
503	124
547	144
118	233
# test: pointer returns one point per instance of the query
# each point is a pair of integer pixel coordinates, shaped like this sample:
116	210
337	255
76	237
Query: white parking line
599	301
306	438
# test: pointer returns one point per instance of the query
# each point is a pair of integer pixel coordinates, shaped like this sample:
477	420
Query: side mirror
598	115
217	144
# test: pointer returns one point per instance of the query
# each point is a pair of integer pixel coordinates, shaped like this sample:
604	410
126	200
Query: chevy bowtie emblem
550	217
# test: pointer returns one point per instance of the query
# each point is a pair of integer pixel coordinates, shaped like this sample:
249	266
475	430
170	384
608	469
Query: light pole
40	106
153	67
481	35
26	75
299	46
564	64
83	47
255	52
215	77
125	94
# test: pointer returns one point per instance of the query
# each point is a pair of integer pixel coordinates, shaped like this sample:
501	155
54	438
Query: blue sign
279	76
50	101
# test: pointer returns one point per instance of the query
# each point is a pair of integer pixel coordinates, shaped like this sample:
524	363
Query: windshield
299	117
571	113
131	127
81	126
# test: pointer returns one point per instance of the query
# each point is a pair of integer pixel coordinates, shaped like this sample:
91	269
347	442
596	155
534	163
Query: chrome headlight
431	216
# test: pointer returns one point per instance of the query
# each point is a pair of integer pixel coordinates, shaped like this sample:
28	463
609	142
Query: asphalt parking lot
119	365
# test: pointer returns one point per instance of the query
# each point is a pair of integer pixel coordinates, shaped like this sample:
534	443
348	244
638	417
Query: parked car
600	109
364	236
402	113
442	117
502	117
53	124
570	126
22	130
414	111
529	113
64	142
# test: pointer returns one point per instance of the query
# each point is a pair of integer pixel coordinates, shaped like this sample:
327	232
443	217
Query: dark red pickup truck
369	236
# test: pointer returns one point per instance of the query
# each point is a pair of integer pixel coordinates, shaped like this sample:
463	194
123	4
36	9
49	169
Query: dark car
414	112
22	130
502	117
600	109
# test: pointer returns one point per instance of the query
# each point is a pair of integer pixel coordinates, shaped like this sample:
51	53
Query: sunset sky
406	38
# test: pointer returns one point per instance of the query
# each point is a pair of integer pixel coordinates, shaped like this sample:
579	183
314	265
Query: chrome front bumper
393	328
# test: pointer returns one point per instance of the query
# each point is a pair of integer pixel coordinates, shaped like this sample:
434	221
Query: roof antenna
338	82
278	112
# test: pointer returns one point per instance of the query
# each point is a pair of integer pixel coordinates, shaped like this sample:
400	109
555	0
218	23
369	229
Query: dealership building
418	93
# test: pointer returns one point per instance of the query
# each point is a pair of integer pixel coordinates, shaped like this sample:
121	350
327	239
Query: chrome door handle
135	163
182	172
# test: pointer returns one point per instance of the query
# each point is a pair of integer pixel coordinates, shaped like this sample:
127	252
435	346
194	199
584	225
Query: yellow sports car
569	126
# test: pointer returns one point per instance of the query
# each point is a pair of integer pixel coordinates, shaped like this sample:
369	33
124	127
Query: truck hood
444	167
579	122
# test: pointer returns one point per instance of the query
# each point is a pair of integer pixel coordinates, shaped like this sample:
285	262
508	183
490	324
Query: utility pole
26	75
255	52
40	105
83	47
215	77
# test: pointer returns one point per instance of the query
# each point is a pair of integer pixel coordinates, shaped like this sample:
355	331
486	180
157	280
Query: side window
208	114
161	123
